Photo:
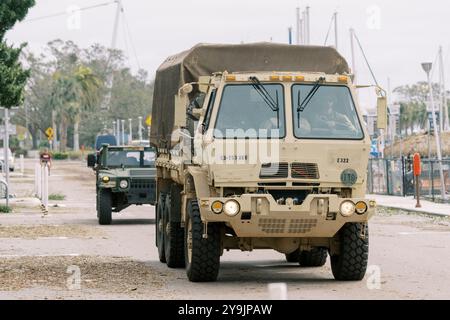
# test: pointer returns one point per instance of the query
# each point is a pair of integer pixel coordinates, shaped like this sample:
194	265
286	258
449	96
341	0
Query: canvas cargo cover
205	59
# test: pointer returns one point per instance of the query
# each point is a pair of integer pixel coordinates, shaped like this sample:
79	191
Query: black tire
202	256
317	257
293	256
351	263
104	206
173	238
159	224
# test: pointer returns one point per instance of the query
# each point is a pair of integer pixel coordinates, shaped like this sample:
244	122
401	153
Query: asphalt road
67	255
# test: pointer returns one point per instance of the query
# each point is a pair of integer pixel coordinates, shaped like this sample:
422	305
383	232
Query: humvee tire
202	256
159	224
173	238
317	257
351	263
104	207
293	256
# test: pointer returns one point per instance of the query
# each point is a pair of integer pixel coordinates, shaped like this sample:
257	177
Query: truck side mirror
91	160
180	111
382	112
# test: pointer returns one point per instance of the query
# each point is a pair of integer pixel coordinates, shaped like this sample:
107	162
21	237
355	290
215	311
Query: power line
63	13
131	39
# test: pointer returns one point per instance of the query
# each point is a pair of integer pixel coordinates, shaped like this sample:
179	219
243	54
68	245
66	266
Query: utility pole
298	28
427	68
308	27
336	29
352	44
110	75
444	115
114	129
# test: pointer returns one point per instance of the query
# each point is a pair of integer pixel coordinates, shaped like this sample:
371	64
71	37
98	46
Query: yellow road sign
49	132
148	121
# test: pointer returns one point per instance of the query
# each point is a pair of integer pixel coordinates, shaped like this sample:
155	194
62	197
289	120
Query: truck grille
274	171
304	171
141	184
142	172
272	226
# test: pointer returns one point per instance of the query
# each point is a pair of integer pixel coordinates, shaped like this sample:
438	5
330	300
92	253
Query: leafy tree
12	76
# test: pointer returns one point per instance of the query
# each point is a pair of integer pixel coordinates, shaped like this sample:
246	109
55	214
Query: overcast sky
396	35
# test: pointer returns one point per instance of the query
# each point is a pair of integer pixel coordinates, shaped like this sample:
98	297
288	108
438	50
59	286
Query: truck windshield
331	113
244	113
130	158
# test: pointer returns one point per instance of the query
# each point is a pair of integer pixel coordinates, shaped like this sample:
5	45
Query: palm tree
73	93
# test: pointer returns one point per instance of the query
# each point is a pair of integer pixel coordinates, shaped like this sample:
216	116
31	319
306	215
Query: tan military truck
260	146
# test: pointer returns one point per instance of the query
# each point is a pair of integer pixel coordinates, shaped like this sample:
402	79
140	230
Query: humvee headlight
347	208
231	208
123	184
105	179
217	207
361	207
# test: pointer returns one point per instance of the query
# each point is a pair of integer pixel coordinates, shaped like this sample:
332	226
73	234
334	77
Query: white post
308	27
45	197
22	165
140	128
123	131
130	138
42	183
39	181
36	179
427	67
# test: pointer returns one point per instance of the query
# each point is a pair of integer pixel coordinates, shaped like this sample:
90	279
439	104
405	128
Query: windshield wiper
268	99
303	104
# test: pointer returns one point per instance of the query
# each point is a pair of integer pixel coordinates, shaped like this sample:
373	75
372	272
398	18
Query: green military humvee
125	175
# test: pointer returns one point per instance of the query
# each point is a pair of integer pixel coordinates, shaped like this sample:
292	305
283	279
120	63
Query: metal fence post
432	179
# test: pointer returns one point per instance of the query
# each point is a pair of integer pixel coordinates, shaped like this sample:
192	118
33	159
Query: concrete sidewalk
409	204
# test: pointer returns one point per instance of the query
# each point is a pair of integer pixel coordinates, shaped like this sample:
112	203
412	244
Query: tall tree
12	76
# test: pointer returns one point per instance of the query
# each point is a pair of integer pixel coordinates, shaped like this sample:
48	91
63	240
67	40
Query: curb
418	210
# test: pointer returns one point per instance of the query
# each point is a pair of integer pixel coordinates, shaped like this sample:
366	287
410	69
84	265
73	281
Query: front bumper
260	216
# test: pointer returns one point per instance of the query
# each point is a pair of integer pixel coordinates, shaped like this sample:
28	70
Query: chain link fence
395	177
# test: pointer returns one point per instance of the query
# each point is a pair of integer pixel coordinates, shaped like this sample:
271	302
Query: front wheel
104	207
293	256
351	262
159	223
202	255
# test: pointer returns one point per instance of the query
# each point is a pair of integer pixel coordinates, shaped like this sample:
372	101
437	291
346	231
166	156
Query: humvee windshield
329	114
246	113
130	158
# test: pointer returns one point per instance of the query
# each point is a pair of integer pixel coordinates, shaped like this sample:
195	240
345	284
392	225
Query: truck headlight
347	208
123	184
231	208
105	179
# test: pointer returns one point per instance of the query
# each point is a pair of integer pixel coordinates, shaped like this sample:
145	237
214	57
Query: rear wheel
104	206
202	256
173	238
351	263
316	257
159	223
293	256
